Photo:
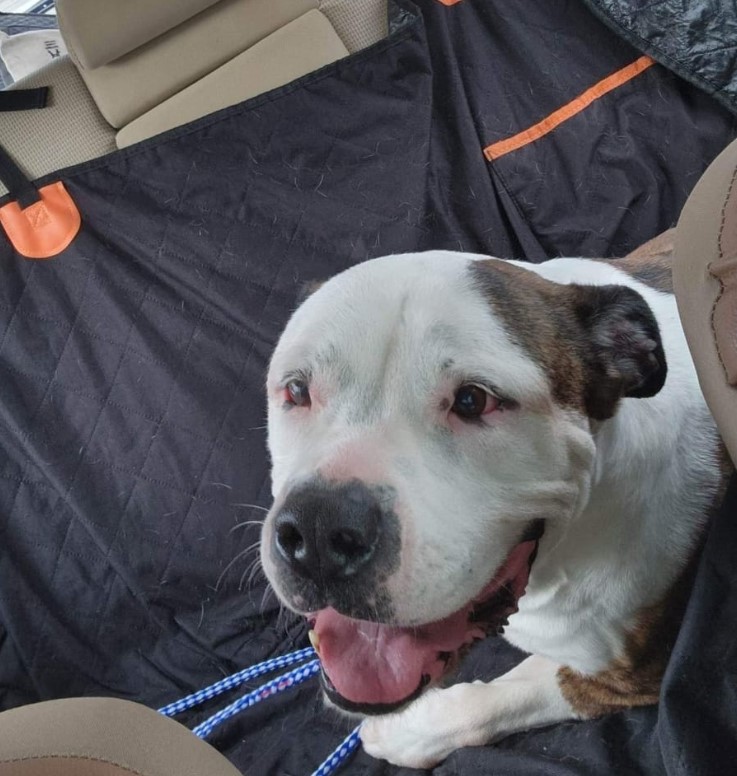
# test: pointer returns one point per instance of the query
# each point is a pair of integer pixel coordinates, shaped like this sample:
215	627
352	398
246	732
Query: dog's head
426	413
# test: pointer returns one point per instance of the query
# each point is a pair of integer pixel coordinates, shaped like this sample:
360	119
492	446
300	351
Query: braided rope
229	682
279	684
342	753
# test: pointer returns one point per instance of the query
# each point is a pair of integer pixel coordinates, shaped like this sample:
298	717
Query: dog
463	445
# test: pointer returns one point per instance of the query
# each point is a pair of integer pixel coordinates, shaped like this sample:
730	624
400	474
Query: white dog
461	444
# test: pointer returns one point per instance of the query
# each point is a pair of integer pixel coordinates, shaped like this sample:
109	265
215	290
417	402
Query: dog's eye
297	393
472	401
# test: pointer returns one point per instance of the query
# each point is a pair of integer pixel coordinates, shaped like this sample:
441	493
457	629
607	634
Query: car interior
138	71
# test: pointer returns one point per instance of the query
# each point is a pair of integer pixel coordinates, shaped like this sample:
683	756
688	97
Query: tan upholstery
63	766
101	737
705	280
73	130
126	88
93	41
300	47
724	269
360	23
69	130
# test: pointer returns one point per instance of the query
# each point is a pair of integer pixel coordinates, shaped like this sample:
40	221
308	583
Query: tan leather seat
305	44
189	55
101	737
705	281
140	67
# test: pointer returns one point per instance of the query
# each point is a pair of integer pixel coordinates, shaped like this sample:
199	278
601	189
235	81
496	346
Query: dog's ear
307	289
622	349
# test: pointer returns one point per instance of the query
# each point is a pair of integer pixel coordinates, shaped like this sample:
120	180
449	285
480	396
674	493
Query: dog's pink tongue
372	663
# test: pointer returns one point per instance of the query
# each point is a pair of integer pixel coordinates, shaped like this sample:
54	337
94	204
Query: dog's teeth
314	640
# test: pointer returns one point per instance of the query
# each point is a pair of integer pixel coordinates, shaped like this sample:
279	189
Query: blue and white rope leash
281	683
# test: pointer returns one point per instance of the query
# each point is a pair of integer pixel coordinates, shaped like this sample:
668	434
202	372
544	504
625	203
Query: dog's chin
374	668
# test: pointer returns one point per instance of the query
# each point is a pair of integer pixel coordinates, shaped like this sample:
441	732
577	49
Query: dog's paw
427	731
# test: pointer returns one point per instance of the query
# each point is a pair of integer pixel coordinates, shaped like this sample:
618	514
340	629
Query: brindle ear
623	352
307	289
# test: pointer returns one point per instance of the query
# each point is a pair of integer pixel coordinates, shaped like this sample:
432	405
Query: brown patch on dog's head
597	344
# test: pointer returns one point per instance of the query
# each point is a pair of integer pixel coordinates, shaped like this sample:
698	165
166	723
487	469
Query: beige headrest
128	85
100	31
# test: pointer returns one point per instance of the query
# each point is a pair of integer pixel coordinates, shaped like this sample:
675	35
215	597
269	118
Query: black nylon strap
24	99
19	187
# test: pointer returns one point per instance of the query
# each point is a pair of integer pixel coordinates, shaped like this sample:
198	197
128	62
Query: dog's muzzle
333	544
328	536
332	548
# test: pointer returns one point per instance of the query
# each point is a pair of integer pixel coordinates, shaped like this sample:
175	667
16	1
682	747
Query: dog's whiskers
239	555
251	570
267	592
245	523
251	506
281	618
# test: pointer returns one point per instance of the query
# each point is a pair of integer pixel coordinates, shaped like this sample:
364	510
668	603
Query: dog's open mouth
374	668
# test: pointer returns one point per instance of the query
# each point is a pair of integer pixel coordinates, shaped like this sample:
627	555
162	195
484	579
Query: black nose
327	533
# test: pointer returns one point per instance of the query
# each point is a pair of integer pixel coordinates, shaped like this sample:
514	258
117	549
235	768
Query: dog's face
426	413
